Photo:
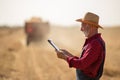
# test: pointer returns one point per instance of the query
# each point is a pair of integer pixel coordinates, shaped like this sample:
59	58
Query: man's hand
66	52
63	54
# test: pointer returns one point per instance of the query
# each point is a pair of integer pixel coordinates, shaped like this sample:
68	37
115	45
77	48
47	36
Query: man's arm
90	56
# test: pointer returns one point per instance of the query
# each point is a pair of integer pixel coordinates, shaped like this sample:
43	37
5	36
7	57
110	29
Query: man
89	66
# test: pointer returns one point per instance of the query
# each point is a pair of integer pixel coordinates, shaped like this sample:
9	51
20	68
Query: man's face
85	28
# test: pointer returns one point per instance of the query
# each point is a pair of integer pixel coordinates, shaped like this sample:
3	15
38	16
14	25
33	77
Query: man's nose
82	29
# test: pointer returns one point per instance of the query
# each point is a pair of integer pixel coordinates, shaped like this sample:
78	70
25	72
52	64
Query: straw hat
90	18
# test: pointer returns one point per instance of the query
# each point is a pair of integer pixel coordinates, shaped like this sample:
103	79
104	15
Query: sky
62	12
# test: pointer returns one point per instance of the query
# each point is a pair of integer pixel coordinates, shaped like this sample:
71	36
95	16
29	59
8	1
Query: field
39	61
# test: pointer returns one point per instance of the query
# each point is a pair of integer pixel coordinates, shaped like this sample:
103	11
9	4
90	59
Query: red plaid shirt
91	57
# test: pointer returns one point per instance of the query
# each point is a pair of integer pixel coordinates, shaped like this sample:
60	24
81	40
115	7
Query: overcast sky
64	12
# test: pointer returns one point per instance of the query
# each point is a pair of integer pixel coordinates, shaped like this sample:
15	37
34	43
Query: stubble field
39	61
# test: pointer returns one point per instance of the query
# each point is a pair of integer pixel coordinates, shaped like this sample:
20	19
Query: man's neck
92	34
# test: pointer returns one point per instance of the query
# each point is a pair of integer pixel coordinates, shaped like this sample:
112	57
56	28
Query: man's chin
86	36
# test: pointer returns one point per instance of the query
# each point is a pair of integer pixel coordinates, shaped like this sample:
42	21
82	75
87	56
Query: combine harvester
36	30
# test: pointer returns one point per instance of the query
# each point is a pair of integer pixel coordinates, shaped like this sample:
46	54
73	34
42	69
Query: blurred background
26	25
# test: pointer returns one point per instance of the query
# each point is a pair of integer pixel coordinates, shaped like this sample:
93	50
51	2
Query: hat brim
88	22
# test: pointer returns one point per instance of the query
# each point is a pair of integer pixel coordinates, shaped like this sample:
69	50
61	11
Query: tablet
53	45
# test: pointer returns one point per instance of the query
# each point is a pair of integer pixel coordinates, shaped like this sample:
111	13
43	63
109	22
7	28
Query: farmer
89	66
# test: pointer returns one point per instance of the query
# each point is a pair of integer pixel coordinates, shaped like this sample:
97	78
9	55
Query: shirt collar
93	37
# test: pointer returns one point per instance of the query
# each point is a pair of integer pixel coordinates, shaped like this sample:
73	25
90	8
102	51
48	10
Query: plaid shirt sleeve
90	55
